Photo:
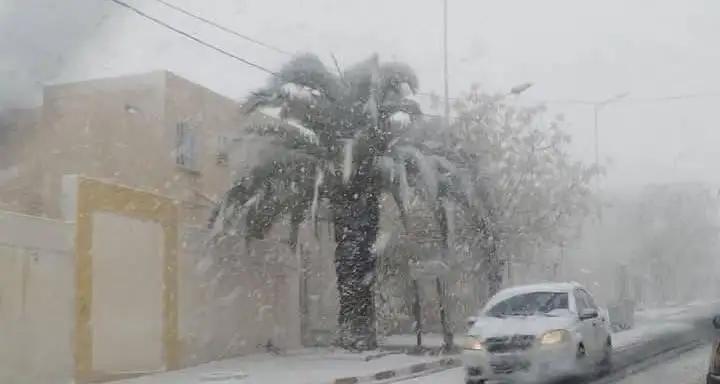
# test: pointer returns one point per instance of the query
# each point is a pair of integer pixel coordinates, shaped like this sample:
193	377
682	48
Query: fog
662	53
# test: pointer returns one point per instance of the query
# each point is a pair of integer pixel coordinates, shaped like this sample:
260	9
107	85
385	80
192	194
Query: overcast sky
570	49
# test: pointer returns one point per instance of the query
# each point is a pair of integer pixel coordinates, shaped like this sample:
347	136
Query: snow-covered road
688	368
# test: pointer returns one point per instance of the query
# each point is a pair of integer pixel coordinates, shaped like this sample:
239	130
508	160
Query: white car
537	332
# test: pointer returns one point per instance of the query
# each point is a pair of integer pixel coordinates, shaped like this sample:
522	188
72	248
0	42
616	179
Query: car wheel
581	354
582	363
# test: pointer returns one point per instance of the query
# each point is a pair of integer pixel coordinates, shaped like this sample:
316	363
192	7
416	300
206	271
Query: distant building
154	131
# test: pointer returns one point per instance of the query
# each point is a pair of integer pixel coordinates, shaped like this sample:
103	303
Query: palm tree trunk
356	227
495	269
295	221
417	314
443	299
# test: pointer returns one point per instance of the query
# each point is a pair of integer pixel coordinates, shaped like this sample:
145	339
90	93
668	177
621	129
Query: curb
392	375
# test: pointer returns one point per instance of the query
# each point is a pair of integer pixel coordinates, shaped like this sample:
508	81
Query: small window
223	150
185	146
580	302
589	299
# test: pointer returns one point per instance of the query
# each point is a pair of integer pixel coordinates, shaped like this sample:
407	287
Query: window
580	301
588	299
529	304
185	146
223	150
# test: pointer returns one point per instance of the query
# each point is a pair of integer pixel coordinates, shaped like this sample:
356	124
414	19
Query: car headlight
473	343
555	337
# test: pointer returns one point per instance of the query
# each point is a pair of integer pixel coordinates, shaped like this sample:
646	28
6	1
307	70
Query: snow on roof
522	289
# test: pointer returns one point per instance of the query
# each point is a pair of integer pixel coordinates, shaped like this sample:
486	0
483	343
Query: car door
586	326
599	323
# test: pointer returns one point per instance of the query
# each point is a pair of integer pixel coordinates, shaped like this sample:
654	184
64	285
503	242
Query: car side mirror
471	321
716	322
588	313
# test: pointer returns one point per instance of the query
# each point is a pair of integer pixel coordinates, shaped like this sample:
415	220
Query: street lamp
520	88
597	106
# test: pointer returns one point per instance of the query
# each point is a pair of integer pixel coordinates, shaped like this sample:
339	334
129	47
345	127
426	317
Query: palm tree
346	139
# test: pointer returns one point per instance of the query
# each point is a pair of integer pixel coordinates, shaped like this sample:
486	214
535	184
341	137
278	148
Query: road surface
688	368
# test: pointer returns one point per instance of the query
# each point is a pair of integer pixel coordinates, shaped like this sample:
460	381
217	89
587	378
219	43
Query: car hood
485	326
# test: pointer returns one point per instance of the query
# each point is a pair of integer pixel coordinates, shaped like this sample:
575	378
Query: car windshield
530	303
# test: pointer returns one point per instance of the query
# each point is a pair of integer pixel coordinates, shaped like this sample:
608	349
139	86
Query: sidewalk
307	366
431	342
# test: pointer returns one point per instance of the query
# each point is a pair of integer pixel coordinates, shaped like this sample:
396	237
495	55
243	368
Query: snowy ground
689	368
308	367
324	365
452	376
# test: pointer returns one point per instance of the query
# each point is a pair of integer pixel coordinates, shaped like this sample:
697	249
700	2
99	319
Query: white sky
571	49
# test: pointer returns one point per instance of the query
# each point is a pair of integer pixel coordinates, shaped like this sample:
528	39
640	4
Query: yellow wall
219	299
94	198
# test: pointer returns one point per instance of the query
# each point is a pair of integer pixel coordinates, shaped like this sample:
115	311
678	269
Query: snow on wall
234	297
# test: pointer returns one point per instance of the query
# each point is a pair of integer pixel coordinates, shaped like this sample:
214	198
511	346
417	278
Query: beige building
155	131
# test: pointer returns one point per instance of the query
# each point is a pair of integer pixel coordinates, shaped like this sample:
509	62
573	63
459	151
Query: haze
571	50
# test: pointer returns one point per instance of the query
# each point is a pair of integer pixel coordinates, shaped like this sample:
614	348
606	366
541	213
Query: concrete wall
122	129
16	128
234	298
36	300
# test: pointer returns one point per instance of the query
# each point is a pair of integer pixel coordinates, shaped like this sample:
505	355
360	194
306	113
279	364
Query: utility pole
445	64
448	343
596	136
596	106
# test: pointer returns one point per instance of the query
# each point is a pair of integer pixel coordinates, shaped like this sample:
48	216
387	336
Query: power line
208	45
224	28
271	72
193	38
687	96
652	99
248	38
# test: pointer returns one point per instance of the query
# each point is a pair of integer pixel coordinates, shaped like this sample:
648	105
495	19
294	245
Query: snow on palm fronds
400	119
331	123
303	93
285	126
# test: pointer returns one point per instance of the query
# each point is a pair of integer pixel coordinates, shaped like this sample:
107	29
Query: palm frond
421	167
288	174
292	136
307	70
359	78
395	181
275	202
396	80
408	106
